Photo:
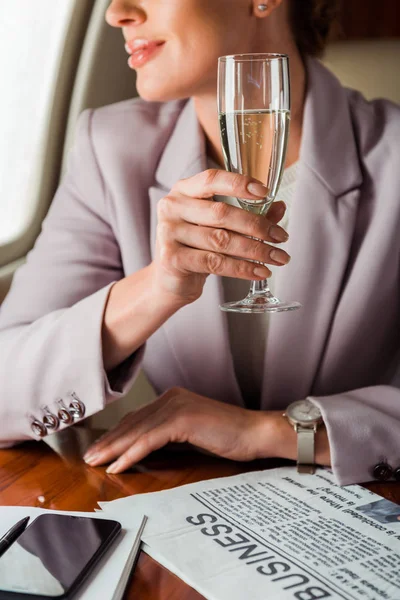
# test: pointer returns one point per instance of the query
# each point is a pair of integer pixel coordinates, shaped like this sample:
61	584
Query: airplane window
31	40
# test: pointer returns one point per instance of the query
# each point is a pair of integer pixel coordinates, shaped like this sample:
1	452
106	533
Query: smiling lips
141	51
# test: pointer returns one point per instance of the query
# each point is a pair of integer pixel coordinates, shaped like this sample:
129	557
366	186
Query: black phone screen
53	554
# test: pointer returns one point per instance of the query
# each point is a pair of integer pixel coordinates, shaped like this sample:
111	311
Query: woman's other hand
183	416
197	236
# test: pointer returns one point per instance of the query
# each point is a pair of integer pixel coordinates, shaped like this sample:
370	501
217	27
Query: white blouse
247	333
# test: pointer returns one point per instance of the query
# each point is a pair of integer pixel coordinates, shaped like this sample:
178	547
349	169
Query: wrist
134	311
161	297
136	297
276	437
167	298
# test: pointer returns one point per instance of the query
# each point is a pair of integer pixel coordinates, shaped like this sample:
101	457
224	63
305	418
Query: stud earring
262	7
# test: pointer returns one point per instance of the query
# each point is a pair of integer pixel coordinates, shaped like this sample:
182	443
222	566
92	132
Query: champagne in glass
260	140
254	117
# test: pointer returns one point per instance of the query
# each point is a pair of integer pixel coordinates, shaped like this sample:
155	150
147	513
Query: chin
157	93
154	96
161	89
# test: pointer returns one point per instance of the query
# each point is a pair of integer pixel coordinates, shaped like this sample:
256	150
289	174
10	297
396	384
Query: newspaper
273	535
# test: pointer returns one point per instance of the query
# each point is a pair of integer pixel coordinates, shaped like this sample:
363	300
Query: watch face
303	411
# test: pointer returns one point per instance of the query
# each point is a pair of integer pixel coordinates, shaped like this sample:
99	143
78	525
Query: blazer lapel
198	333
321	228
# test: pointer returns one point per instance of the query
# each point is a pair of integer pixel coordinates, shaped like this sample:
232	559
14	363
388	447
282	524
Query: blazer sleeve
363	428
51	320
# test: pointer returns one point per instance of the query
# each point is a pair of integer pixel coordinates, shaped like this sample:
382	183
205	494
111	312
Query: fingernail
279	256
257	189
113	468
90	457
278	234
262	272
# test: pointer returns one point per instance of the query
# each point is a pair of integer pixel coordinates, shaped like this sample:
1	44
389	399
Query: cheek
188	66
185	69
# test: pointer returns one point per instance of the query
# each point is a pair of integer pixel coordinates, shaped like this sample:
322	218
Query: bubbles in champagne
254	144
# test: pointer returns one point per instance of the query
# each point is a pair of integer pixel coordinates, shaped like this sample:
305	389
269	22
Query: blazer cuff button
38	428
76	407
51	421
382	471
64	414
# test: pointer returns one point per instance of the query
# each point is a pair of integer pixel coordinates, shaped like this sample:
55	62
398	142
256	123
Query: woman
134	252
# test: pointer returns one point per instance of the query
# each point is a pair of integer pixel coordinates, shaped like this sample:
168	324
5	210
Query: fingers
117	440
190	260
182	262
224	183
276	211
139	425
142	447
228	243
172	209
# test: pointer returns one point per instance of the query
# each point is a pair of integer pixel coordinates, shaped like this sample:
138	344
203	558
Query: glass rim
256	56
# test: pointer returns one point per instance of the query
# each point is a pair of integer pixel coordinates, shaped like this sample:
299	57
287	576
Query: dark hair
312	22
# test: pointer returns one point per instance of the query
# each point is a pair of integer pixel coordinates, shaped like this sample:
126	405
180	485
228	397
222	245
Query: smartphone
53	556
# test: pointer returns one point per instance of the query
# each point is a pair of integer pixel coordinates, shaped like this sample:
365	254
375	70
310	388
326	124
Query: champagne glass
254	116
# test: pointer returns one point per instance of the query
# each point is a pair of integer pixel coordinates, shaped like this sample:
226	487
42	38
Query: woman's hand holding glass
254	115
197	236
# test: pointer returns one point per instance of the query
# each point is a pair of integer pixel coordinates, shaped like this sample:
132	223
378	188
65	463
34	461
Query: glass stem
261	287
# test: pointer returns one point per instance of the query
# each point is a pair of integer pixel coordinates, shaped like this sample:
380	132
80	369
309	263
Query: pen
12	534
130	564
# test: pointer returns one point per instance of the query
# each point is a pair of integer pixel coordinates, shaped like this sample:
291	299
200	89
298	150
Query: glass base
263	302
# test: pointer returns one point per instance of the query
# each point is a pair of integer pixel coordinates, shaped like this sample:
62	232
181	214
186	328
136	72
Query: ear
264	8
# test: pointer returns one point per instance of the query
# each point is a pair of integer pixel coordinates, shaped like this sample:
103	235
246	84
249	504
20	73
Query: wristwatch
305	417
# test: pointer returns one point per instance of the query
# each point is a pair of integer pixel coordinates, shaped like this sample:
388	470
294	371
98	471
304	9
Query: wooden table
56	477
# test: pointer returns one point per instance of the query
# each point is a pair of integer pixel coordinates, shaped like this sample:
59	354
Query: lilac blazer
341	347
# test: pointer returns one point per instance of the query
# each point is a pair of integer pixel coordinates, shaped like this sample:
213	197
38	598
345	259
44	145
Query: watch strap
305	449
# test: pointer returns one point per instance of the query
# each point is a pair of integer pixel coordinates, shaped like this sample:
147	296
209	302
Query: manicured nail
262	272
113	468
278	234
257	189
91	457
280	256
